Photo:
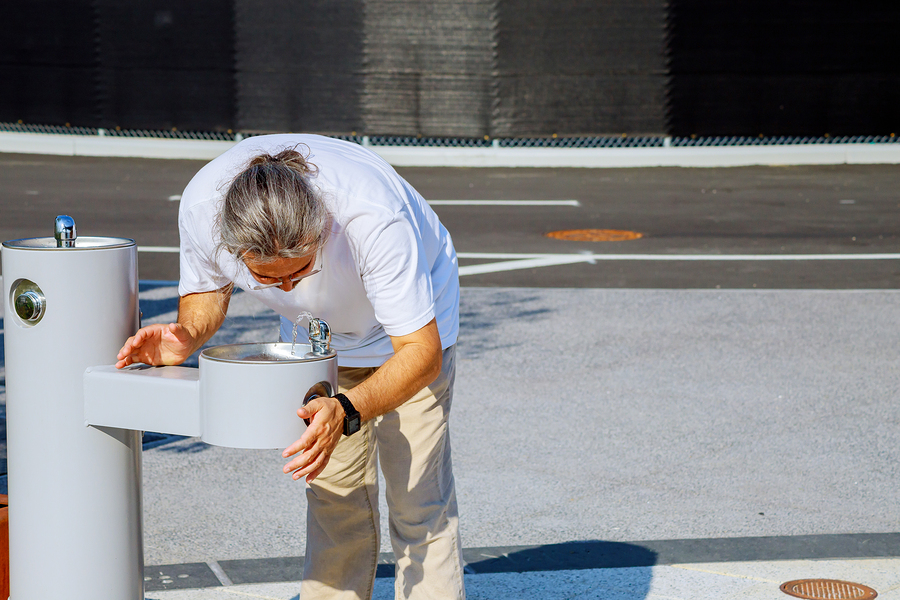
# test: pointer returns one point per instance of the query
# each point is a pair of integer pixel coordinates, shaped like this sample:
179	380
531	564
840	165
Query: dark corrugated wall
48	62
455	68
428	67
775	67
299	65
580	67
164	64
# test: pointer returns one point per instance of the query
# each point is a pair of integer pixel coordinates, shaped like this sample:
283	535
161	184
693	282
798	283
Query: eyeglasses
315	266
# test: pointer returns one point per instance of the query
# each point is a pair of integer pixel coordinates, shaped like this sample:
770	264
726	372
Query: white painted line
220	574
508	256
677	257
528	263
587	257
175	198
745	257
513	262
504	202
166	249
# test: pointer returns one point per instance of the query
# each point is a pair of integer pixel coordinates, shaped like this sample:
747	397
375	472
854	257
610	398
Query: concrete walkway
754	433
713	581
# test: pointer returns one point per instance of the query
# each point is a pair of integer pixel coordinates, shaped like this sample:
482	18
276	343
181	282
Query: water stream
303	315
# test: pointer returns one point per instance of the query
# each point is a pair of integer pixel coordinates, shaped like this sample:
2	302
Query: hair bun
289	157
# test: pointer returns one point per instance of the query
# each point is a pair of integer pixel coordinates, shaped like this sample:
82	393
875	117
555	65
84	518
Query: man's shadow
565	556
618	570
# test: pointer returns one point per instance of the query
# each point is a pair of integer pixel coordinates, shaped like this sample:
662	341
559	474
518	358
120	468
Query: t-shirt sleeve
199	272
396	276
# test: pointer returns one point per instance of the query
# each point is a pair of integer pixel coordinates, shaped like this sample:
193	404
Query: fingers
306	451
296	447
313	450
140	347
124	354
311	469
127	355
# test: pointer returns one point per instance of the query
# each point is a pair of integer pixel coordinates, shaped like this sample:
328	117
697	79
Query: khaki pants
412	444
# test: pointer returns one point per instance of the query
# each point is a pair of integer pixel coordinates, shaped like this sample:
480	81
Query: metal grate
601	141
51	129
454	142
784	140
827	589
130	133
607	141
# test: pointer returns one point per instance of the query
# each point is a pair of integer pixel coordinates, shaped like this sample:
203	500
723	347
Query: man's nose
286	284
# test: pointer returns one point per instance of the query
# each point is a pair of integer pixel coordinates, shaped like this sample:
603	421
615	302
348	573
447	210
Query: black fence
456	68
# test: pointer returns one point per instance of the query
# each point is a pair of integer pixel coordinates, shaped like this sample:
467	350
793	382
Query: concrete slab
716	581
610	415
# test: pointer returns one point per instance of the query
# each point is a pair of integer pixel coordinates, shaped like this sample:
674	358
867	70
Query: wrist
352	420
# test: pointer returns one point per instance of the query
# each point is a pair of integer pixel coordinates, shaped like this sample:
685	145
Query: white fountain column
75	527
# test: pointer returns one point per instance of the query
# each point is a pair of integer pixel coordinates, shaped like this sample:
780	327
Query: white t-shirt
388	267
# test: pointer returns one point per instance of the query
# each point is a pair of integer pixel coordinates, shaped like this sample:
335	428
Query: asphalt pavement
622	428
753	212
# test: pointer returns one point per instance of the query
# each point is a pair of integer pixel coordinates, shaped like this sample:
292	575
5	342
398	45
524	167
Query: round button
29	305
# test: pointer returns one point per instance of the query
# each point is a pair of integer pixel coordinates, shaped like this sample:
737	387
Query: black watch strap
351	415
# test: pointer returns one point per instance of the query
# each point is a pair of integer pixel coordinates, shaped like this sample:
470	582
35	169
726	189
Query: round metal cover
827	589
595	235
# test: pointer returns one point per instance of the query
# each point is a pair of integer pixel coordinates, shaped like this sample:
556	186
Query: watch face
352	424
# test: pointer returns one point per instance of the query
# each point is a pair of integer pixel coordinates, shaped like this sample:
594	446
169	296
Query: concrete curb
684	156
96	145
417	156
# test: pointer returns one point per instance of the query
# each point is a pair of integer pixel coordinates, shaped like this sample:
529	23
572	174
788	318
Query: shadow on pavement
566	556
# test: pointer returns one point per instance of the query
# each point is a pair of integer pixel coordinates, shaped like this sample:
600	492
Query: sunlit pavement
622	428
751	427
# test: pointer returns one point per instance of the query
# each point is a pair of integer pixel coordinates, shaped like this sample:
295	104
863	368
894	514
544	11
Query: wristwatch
351	415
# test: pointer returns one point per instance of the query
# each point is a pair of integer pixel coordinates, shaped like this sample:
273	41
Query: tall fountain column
74	490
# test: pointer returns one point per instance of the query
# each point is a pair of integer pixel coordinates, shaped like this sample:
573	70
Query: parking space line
525	263
165	249
504	203
512	262
705	257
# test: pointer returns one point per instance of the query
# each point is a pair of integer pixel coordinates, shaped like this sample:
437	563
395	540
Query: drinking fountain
74	421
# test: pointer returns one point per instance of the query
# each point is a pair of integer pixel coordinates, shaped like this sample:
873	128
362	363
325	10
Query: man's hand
158	344
315	446
199	317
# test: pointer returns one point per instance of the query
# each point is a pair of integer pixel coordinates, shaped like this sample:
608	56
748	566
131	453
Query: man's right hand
154	345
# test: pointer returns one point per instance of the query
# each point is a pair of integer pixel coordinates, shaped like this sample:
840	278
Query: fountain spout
319	337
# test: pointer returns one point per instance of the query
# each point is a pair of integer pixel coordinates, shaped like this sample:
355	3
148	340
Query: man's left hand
326	425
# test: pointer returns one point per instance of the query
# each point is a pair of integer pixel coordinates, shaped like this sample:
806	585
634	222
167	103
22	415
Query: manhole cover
827	589
595	235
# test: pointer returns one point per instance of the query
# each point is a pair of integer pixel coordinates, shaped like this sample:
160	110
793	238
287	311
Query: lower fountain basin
250	393
242	396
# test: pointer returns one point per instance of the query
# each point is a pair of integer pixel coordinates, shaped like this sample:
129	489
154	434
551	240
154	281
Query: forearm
416	364
202	314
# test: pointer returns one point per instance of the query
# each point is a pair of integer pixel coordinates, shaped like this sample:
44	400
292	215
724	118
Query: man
308	223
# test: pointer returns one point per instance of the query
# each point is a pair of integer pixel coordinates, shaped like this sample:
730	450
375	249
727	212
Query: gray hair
271	211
